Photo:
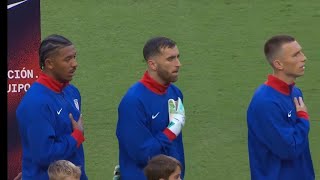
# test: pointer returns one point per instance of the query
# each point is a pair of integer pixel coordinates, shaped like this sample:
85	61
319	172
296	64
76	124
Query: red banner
24	38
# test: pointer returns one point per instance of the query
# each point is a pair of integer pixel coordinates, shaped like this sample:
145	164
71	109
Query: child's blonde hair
61	169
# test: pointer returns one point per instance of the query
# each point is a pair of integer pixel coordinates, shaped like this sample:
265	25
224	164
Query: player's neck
155	77
284	78
52	76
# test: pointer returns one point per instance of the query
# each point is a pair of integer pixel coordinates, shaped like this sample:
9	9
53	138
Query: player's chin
300	74
174	78
68	78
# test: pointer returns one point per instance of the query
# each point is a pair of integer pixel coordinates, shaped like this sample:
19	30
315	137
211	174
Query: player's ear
277	64
152	64
48	63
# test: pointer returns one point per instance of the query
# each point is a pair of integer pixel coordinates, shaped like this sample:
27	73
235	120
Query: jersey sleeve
75	93
45	146
133	132
284	138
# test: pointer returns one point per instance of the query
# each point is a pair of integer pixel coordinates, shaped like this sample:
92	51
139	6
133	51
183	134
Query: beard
166	76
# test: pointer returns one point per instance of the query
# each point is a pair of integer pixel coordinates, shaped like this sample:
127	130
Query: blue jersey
45	129
278	135
142	118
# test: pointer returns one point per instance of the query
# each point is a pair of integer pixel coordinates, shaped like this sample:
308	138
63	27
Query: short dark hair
161	166
273	46
50	45
154	45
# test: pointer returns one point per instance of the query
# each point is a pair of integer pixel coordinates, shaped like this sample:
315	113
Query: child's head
64	170
162	167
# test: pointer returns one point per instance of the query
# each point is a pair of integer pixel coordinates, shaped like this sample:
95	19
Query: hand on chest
157	115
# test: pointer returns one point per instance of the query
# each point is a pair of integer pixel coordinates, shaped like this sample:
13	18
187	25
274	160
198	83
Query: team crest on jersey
76	103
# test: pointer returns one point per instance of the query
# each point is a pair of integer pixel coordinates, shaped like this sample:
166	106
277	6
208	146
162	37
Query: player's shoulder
70	88
37	91
135	88
263	94
172	85
263	91
259	103
296	90
37	95
175	90
133	92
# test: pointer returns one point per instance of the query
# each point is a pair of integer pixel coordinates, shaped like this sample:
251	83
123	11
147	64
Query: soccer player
47	112
162	167
145	126
277	117
63	170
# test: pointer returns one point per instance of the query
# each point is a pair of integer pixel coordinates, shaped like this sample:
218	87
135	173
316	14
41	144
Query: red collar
51	83
152	85
279	85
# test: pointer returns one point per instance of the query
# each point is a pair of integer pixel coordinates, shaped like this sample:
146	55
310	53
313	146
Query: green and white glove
176	118
116	173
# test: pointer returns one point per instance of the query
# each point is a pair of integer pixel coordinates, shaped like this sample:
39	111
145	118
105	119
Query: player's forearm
142	145
53	148
298	137
290	143
78	136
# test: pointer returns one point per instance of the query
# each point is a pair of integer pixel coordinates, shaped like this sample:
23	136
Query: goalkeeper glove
116	173
176	118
